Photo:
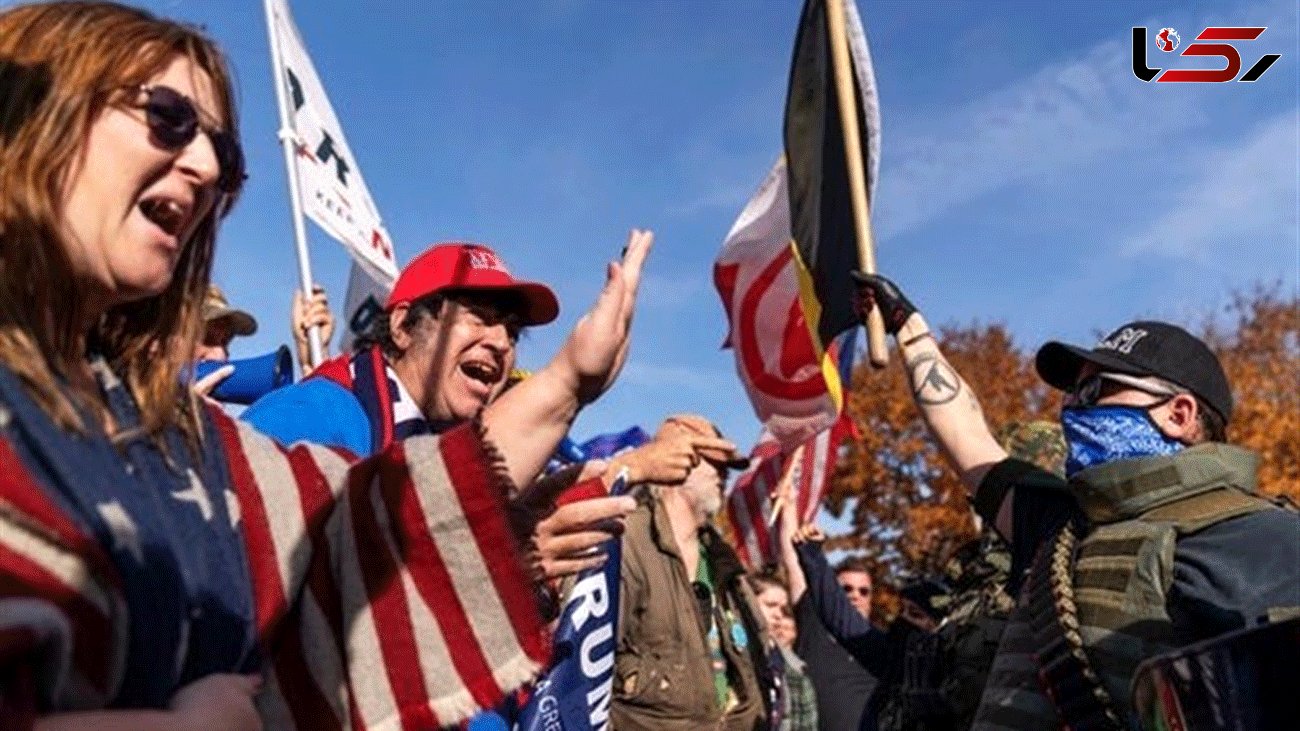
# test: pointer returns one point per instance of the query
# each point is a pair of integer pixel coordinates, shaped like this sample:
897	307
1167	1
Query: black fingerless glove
876	290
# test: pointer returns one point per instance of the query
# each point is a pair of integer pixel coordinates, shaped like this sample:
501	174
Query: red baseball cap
458	265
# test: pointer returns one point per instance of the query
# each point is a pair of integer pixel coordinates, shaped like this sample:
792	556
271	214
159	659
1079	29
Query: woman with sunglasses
160	565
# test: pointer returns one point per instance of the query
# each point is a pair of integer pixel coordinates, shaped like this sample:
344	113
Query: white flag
332	191
365	302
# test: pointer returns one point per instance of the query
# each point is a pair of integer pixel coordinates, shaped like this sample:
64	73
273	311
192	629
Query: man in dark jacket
890	656
1155	540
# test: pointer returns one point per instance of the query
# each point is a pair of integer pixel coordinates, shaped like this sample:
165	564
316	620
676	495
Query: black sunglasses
174	122
1088	391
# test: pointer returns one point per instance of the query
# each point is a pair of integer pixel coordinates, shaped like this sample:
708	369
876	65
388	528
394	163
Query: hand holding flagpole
877	350
325	181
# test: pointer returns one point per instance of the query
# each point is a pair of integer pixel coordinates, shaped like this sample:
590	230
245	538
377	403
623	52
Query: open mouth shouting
168	213
482	375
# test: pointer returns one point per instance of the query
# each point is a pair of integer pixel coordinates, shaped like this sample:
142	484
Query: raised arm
529	420
949	407
567	518
788	526
850	629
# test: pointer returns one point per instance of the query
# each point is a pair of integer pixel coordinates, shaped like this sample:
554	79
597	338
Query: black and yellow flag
821	210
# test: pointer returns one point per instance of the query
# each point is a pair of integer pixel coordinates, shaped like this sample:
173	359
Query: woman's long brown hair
60	65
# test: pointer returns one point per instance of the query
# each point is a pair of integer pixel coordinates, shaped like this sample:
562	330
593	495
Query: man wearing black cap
1155	540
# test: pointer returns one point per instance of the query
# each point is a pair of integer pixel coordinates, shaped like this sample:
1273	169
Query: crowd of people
380	546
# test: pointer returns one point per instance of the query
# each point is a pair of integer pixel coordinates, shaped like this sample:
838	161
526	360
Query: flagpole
782	499
877	349
287	139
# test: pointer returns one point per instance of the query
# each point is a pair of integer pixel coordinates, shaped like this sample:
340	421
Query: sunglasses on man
174	123
850	590
1088	391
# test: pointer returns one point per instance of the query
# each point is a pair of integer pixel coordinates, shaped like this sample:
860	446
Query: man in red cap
440	352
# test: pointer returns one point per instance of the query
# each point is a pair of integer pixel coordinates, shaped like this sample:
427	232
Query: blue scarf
1100	434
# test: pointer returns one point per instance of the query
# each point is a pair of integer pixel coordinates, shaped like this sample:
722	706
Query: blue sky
1027	178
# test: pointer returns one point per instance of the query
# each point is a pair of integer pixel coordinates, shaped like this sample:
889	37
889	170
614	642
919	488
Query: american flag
815	466
388	593
748	505
751	499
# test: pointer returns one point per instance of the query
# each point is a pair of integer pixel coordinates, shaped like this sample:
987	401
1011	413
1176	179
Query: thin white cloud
1082	109
1062	116
1240	196
713	193
724	156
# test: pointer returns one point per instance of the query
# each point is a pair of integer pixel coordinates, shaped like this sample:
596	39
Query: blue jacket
315	410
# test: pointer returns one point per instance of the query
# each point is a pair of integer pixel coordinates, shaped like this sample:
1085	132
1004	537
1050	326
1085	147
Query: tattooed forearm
934	382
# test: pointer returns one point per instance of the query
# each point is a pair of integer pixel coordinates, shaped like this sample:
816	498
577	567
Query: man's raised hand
597	348
529	420
809	533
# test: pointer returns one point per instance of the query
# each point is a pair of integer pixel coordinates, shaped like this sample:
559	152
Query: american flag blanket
387	593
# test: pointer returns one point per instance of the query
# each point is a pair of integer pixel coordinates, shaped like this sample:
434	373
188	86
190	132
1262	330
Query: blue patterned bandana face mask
1100	434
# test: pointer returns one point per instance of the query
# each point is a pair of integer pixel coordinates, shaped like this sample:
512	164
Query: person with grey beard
691	648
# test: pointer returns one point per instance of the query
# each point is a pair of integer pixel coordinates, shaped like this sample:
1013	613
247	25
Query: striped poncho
386	593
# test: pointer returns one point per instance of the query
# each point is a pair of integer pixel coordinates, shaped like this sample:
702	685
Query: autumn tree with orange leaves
907	508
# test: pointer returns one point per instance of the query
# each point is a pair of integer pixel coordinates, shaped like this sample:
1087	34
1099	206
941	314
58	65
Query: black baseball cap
1144	348
929	595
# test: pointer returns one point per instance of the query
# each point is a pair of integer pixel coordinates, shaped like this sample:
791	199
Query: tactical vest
1092	609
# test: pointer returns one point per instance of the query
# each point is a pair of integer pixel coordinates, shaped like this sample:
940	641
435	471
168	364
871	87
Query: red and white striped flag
796	392
750	503
388	593
783	277
815	467
792	390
